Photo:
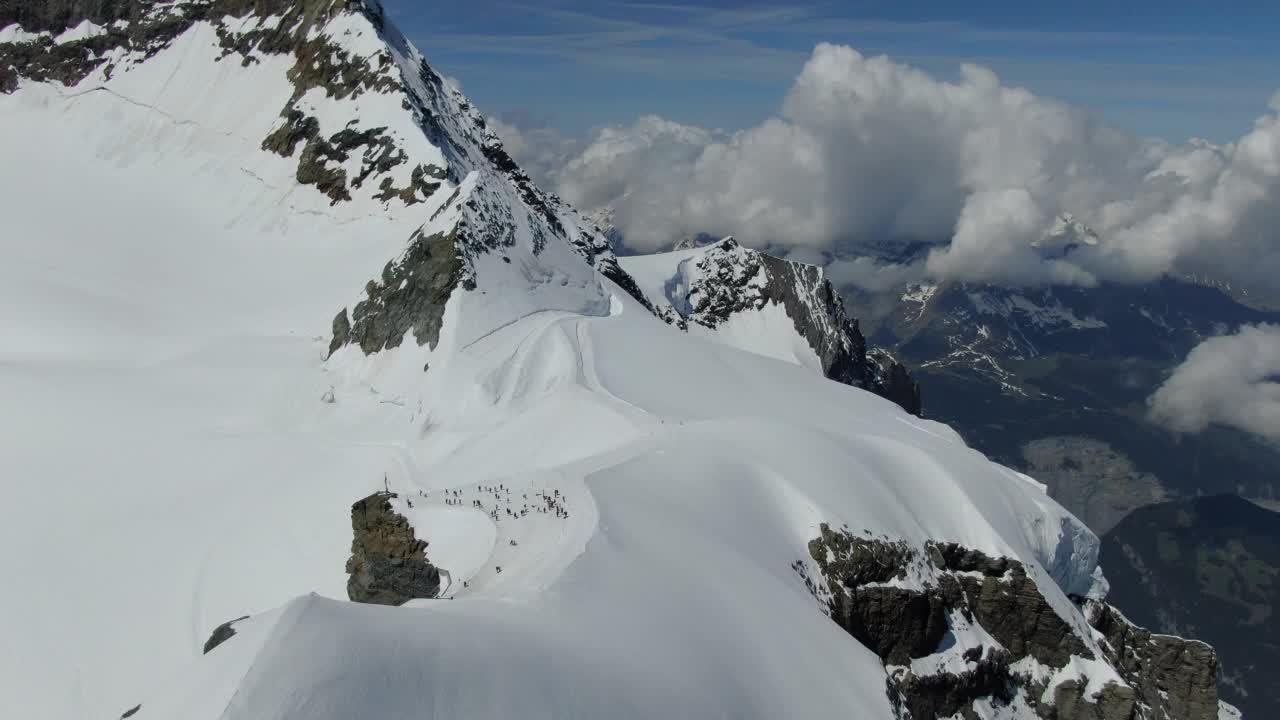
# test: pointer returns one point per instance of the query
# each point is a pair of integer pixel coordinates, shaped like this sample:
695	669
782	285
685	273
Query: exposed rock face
904	603
1174	676
1012	610
388	565
727	278
892	380
410	295
222	633
946	695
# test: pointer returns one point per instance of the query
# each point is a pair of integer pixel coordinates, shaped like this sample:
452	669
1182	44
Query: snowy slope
184	437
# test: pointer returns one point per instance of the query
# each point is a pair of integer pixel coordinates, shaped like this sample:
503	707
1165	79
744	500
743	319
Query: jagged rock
895	624
947	695
222	633
411	295
1175	676
1014	612
341	331
297	127
857	561
955	557
889	378
388	565
1113	702
898	385
898	602
727	278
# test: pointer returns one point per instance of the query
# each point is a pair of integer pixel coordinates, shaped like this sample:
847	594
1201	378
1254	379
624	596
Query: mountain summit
292	339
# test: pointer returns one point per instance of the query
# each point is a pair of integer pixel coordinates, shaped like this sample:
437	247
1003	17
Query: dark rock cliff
906	603
222	633
410	295
1176	677
388	565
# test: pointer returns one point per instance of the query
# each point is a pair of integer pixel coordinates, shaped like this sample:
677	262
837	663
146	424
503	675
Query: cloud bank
1229	380
867	155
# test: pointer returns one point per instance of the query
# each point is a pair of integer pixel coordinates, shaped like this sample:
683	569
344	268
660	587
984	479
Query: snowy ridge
181	408
770	306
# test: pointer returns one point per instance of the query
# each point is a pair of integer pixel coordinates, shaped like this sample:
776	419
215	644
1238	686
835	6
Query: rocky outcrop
410	295
727	278
1173	676
946	695
388	565
222	633
906	603
140	26
891	379
1012	610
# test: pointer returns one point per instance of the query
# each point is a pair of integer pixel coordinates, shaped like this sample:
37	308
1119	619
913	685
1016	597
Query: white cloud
539	149
1228	380
867	274
867	152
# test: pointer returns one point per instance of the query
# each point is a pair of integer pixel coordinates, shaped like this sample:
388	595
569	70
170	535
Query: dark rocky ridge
733	279
388	565
894	381
1181	674
222	633
410	295
1167	677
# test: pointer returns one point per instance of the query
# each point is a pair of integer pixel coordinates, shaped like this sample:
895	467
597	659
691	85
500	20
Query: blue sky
1169	69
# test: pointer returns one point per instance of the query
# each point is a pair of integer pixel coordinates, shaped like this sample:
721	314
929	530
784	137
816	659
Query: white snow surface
83	31
1227	711
15	34
170	463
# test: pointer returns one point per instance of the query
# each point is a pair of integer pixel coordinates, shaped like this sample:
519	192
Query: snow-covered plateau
191	190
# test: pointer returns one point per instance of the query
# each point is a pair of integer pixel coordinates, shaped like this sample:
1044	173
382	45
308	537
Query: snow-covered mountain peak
767	305
1067	233
361	117
696	241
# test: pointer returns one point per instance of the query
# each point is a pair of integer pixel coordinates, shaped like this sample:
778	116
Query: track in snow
530	524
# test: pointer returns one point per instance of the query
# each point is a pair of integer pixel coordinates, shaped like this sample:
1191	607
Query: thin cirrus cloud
1228	380
867	153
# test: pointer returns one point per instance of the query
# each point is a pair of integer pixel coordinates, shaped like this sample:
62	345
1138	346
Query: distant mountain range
1055	382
